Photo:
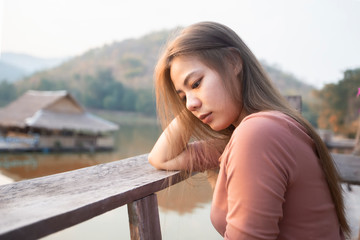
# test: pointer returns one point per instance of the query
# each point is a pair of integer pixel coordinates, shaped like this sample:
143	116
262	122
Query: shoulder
263	125
264	136
261	142
266	118
271	126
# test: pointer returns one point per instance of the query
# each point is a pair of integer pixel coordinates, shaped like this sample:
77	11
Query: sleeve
205	155
256	180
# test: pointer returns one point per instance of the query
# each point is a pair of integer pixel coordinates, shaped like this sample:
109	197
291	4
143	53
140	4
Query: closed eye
183	99
196	84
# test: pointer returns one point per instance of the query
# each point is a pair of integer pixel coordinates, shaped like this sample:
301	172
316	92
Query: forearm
167	155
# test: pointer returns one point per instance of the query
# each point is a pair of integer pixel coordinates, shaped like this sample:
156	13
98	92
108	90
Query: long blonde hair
221	48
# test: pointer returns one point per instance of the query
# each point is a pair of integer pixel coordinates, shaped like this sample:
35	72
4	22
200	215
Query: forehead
182	63
183	66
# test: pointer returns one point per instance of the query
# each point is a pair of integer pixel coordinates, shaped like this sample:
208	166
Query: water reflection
186	196
130	140
32	165
8	163
184	207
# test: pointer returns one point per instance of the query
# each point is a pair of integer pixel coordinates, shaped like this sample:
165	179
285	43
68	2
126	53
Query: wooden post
295	101
356	150
144	219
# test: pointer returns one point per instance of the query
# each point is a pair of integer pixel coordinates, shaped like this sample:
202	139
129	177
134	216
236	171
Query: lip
205	118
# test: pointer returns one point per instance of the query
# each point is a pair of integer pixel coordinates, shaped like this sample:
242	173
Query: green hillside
130	62
119	76
10	73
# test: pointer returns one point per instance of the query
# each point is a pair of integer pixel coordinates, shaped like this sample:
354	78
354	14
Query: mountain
132	62
119	76
14	66
10	73
287	83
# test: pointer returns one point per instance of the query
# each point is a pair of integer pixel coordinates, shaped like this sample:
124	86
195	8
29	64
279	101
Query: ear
236	61
238	68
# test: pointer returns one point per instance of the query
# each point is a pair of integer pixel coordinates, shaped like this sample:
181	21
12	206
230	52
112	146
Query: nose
192	103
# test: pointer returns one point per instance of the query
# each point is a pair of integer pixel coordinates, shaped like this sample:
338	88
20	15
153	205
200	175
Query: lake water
181	216
184	208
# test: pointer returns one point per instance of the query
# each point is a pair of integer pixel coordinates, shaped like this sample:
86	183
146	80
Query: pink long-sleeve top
270	184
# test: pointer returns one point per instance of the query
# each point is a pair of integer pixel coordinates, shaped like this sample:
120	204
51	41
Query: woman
219	109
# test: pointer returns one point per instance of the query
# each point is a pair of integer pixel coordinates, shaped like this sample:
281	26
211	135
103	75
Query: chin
217	127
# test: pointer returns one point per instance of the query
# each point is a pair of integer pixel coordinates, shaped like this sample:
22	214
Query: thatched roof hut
52	110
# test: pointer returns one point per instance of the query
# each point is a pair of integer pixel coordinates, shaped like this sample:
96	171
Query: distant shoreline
124	118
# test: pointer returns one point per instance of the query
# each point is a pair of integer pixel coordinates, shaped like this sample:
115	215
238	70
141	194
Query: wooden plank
35	208
348	167
341	144
144	219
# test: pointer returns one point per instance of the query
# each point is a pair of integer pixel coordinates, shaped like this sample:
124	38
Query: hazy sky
316	40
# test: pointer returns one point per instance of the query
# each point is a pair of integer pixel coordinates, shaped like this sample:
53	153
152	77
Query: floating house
52	120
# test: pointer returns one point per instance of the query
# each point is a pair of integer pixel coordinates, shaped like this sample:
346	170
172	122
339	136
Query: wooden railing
34	208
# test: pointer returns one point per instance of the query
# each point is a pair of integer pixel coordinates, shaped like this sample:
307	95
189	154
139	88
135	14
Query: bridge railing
34	208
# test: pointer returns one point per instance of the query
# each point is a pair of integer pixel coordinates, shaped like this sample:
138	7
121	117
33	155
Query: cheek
222	97
231	109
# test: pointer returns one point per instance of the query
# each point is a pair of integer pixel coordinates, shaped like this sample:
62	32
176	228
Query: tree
7	92
337	107
145	102
129	100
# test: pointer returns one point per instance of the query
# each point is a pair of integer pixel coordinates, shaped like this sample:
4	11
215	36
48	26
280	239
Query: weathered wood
335	143
35	208
348	167
144	219
340	144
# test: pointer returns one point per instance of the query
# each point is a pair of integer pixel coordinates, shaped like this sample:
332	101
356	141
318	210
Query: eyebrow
186	81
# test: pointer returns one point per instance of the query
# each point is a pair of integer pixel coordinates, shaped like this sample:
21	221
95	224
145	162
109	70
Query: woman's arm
258	167
164	156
